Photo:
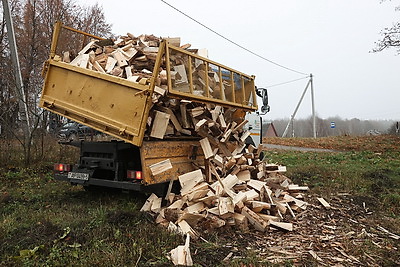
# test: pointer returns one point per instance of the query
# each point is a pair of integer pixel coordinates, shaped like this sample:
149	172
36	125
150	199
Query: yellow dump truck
120	107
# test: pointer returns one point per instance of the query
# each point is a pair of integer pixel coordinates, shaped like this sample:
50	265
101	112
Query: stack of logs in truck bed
134	58
129	57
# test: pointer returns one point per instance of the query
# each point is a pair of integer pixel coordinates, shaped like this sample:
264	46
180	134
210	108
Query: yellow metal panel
82	32
206	59
206	80
177	152
109	104
221	87
233	88
56	33
238	94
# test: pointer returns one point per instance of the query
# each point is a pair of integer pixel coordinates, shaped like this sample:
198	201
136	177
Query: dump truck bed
120	107
104	102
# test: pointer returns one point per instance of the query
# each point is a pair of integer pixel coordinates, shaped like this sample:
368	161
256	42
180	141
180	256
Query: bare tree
33	23
390	37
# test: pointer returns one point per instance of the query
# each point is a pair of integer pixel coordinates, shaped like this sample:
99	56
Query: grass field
44	222
368	166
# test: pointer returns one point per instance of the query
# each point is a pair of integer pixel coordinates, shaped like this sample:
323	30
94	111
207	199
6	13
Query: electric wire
291	81
233	42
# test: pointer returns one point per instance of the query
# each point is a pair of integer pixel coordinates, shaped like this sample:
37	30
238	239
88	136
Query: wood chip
160	167
323	202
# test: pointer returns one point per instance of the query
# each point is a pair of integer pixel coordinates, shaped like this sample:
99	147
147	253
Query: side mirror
263	93
265	109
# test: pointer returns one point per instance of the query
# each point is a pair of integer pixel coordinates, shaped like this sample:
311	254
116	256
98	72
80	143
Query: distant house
269	130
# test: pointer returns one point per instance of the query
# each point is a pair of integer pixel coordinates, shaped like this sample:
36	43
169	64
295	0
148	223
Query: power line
233	42
278	84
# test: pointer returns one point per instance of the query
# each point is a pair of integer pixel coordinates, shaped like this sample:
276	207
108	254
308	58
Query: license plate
78	176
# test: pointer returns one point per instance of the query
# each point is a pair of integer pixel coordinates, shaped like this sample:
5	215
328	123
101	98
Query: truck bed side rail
191	76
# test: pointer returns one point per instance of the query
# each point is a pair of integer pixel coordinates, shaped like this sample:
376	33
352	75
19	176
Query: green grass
48	223
105	228
375	175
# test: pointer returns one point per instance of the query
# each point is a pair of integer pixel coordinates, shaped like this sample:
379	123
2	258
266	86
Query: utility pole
309	84
313	106
23	107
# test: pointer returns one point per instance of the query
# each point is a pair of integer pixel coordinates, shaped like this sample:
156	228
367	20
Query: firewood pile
239	200
129	57
173	117
234	187
133	58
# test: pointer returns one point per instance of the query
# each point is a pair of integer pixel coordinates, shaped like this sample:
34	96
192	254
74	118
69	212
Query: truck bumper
104	183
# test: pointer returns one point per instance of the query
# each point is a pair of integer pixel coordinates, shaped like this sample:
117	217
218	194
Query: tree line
334	126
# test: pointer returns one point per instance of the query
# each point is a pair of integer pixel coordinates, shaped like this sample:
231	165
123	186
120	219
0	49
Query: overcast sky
330	39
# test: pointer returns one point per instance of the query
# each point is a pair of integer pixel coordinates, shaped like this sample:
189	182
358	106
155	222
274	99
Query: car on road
73	131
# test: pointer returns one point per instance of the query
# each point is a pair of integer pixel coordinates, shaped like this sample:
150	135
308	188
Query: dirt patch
380	180
334	236
364	204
